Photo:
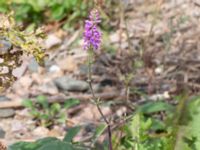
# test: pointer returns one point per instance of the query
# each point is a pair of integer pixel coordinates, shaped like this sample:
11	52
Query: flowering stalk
92	41
92	36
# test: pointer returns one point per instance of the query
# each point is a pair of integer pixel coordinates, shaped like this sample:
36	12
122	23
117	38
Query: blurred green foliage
47	114
162	126
40	11
153	126
51	143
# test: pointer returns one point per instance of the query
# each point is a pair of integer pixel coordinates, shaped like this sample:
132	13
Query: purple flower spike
92	35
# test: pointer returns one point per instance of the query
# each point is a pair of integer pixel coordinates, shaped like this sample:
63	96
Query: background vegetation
151	125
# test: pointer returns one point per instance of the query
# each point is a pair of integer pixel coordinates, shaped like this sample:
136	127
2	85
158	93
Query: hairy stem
96	100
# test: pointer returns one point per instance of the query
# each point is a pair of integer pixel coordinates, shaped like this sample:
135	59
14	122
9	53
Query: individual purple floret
92	35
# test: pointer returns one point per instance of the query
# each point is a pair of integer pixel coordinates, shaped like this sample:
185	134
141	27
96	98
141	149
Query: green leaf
68	5
43	101
74	3
72	132
23	146
71	102
37	5
58	12
157	124
30	145
99	131
188	132
134	126
56	145
55	108
3	8
28	103
62	118
35	113
154	107
49	143
44	117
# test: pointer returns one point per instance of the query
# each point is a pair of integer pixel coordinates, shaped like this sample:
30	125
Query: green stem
96	100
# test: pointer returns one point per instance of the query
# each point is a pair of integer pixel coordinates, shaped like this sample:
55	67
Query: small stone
48	63
71	62
49	88
51	41
121	111
33	65
159	70
5	45
156	97
83	69
5	113
4	98
2	133
17	126
25	81
99	69
70	84
54	68
19	71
